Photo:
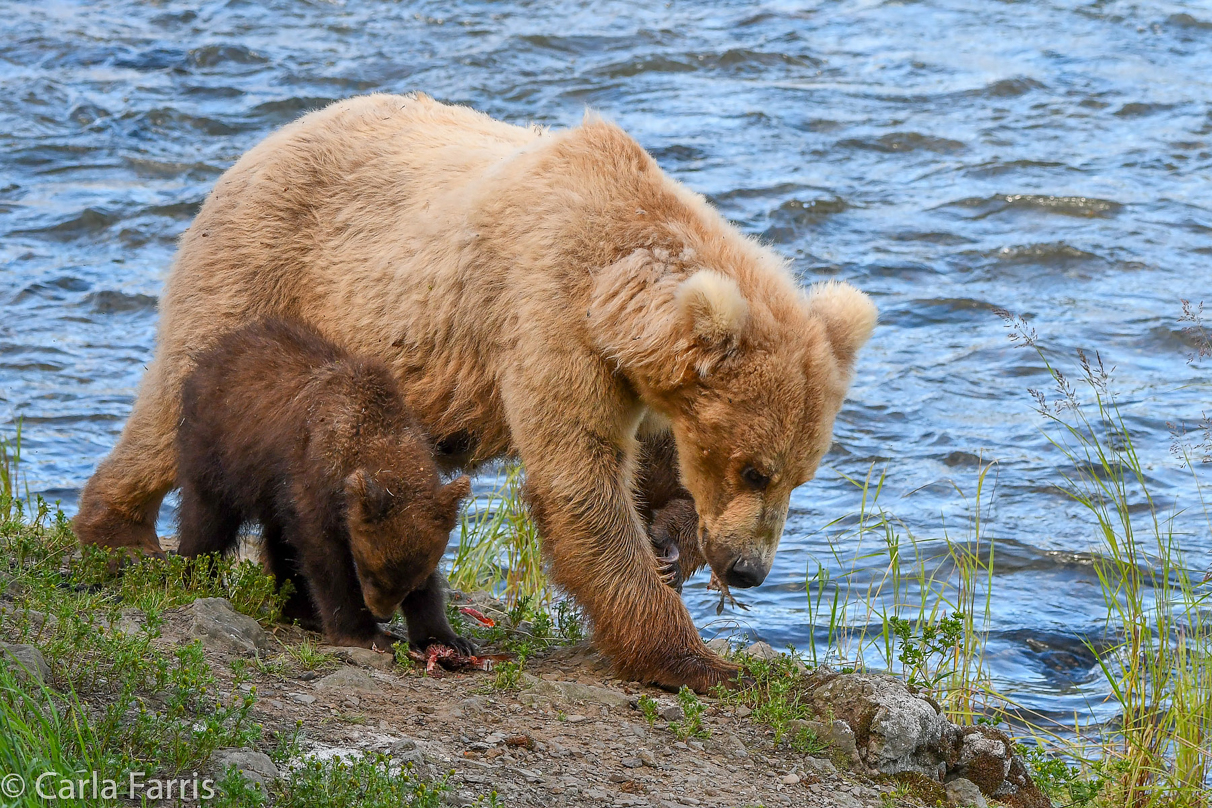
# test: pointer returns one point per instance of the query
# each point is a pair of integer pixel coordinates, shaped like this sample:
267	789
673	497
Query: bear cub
282	427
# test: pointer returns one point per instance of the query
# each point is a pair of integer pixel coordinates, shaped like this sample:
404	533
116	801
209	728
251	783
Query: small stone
743	711
729	745
647	758
632	762
790	779
963	793
575	718
277	705
762	650
363	657
720	645
221	626
255	766
346	680
26	662
303	698
671	712
575	691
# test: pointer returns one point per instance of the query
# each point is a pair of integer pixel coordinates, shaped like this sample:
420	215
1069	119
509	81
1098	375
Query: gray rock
728	745
647	758
303	698
255	766
895	730
349	680
820	766
26	662
671	712
985	755
363	657
222	627
575	691
963	793
838	735
762	650
720	645
632	762
828	794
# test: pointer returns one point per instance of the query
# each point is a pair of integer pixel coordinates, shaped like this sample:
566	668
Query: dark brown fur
281	427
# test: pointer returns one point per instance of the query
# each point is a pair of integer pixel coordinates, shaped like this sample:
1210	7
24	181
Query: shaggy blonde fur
542	293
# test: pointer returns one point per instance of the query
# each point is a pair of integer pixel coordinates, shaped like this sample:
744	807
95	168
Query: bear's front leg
425	612
578	492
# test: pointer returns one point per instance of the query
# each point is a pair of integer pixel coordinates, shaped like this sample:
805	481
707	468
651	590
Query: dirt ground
568	735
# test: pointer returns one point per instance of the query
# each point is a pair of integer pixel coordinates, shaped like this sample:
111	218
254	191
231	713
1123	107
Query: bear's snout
747	571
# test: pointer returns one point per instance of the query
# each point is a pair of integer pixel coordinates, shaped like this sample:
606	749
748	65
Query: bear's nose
745	572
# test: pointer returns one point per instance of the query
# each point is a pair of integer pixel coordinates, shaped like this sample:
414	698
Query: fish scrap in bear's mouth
450	659
716	583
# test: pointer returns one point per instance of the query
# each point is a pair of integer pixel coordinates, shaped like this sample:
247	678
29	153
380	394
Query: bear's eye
754	478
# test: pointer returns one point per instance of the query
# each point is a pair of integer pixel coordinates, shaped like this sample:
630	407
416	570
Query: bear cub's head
398	532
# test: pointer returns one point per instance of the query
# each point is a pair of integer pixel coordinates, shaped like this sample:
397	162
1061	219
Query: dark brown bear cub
282	427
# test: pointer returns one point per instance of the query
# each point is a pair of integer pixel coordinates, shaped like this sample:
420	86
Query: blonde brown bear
551	295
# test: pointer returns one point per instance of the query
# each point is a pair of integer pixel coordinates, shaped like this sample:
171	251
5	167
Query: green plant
919	644
509	674
889	595
308	656
776	693
499	546
1076	786
650	708
691	725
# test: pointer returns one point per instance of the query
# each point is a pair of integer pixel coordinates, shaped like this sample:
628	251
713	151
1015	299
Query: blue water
1050	158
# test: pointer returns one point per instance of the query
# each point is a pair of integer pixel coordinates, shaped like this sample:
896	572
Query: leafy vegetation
120	702
499	548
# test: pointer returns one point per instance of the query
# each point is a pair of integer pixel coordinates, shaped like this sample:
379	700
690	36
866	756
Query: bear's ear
451	496
715	311
371	501
849	317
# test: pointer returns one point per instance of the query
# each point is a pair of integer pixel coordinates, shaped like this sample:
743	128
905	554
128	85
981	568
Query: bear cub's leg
425	612
205	524
281	560
337	594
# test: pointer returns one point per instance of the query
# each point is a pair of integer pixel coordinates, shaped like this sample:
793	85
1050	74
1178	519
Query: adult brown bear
547	294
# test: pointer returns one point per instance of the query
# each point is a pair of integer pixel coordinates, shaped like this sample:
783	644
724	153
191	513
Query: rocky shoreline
567	733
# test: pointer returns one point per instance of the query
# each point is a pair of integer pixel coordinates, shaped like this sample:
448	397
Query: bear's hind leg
281	560
425	612
120	502
205	524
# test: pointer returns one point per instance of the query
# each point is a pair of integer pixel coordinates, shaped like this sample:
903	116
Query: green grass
119	702
499	549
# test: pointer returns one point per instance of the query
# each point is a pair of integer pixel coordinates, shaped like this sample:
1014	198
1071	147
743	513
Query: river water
948	156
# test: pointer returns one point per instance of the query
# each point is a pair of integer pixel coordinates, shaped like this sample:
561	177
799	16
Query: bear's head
398	532
750	376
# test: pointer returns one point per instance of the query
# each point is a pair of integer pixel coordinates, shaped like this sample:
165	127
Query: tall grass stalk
1159	669
11	506
499	547
896	601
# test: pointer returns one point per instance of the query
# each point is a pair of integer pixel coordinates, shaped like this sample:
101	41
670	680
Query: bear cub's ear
451	496
373	502
715	310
